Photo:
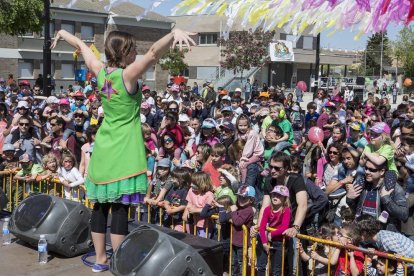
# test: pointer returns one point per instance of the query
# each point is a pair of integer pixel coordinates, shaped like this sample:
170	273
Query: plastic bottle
42	249
6	239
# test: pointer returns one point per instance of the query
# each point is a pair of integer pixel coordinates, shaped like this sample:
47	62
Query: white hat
52	99
226	98
183	118
238	90
23	104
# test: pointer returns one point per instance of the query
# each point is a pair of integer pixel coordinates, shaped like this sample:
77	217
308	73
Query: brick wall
8	66
7	41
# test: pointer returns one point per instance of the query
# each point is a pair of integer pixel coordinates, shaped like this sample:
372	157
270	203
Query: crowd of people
247	159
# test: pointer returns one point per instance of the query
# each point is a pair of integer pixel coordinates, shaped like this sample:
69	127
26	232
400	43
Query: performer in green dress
117	170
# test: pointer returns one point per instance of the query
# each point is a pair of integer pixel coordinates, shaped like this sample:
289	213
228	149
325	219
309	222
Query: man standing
247	90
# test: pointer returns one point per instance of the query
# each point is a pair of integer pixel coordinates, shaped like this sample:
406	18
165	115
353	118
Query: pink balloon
315	135
302	86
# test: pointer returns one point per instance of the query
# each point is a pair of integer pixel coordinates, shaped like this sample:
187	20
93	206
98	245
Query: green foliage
404	50
373	54
18	17
246	49
173	61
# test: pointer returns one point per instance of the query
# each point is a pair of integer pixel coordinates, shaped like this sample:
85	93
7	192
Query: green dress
118	166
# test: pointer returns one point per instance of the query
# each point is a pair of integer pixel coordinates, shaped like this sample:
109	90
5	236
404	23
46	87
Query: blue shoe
100	267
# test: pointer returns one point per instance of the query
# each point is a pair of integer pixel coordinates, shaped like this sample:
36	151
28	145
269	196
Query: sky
339	40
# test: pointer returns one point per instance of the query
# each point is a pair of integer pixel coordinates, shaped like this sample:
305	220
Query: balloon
302	86
315	135
408	82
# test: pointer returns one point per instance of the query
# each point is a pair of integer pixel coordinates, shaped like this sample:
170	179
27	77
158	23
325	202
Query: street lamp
47	53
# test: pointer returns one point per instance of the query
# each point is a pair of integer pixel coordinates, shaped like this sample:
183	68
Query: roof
122	9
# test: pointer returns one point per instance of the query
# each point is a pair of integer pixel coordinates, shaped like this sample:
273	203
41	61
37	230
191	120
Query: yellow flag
95	51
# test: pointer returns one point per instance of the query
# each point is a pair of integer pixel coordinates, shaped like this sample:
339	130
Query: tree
246	49
373	54
404	50
18	17
173	61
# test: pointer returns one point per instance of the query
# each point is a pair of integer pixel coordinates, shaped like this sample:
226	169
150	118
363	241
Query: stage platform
20	259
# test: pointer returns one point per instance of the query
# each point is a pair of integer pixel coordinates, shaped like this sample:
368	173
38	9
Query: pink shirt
199	201
279	220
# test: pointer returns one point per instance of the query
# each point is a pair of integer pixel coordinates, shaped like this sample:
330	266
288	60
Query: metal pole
47	53
317	61
365	62
382	49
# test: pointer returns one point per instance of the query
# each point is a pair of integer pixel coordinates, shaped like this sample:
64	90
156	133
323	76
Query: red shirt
213	172
340	268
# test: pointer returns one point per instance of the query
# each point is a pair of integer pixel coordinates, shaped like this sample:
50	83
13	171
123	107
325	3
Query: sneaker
100	267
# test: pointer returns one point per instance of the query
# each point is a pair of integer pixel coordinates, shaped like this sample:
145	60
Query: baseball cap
210	85
165	163
8	147
227	109
64	101
226	98
295	107
209	123
264	94
145	105
24	83
24	158
146	87
23	104
380	128
183	118
224	92
228	125
93	79
330	104
52	99
271	87
175	88
78	94
355	126
238	90
281	190
246	191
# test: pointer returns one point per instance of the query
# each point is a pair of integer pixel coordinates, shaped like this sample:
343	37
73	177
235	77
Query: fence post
245	245
253	258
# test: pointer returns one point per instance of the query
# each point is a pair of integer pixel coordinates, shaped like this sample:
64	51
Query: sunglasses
278	169
94	108
368	169
68	161
24	124
78	116
168	140
78	99
36	90
53	125
333	152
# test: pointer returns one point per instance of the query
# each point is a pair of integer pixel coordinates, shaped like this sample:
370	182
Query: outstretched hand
182	37
55	42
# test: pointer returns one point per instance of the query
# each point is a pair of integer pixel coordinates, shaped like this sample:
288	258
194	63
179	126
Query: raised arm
90	59
157	50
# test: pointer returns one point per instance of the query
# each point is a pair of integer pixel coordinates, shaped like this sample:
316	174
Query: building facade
22	56
204	59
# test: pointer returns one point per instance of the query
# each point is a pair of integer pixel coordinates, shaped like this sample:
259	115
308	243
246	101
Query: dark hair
342	129
172	115
407	124
336	145
183	177
366	226
347	214
171	135
296	164
59	120
118	45
279	156
91	130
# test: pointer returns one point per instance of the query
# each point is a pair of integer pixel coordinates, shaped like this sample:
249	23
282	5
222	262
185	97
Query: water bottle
6	232
42	249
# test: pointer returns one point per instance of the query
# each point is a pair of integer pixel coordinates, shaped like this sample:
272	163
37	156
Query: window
69	27
52	69
150	74
68	71
308	42
25	69
51	30
207	39
87	32
207	73
292	38
186	73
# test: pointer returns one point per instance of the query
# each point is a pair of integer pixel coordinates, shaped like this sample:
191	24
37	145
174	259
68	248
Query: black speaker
152	250
65	223
3	199
360	81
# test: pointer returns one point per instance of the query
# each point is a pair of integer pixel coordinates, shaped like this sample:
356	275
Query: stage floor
20	259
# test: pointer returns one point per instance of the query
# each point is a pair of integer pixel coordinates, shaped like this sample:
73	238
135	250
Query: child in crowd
407	145
201	156
29	173
241	214
149	140
209	133
253	149
169	147
49	174
276	215
70	177
175	200
216	160
311	115
229	181
377	266
8	166
157	190
198	196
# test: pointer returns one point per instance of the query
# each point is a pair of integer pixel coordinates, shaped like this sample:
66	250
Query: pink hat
64	101
175	88
145	105
380	128
281	190
146	87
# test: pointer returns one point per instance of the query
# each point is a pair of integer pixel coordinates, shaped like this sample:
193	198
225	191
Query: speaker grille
32	211
135	249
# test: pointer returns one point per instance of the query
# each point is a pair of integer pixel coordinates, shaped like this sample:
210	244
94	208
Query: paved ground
20	259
